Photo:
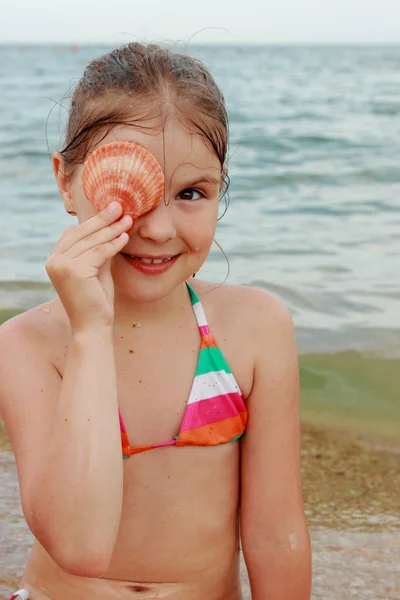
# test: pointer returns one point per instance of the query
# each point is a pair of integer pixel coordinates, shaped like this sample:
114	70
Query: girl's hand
79	267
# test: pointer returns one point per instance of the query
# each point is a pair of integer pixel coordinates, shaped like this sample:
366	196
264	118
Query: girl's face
182	225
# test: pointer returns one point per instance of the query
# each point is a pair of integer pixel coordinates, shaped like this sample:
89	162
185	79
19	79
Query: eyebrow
204	179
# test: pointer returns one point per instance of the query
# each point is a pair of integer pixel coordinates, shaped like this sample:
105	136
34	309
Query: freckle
122	337
140	381
65	420
131	351
134	325
41	390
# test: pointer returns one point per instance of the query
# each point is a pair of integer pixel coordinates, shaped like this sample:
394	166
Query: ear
63	181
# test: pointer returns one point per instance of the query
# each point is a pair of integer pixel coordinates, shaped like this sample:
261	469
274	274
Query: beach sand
351	491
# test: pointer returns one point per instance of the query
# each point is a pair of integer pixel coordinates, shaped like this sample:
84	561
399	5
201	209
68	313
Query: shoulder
36	328
255	330
257	310
27	368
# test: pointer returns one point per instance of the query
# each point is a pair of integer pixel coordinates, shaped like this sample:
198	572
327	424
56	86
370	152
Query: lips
151	265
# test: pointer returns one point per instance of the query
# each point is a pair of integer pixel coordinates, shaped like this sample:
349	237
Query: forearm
77	496
281	572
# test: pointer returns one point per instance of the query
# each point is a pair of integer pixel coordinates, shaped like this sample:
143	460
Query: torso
178	537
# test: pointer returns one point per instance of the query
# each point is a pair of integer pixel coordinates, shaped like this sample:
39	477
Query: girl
190	366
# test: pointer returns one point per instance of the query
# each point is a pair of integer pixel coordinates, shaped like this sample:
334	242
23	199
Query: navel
141	588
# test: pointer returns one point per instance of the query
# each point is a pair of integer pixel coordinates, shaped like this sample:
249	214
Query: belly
178	537
44	580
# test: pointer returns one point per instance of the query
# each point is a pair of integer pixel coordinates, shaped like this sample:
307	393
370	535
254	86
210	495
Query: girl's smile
151	265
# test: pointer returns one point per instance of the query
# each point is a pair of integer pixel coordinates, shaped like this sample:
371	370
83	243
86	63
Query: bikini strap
198	312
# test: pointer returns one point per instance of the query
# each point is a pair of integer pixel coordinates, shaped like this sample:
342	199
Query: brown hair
144	82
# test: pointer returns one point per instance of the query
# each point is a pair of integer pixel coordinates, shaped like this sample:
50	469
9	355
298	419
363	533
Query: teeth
149	261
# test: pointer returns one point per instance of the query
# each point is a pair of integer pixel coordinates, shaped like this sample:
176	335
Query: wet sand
351	491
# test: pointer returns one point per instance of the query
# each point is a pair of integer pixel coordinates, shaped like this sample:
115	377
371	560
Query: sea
314	214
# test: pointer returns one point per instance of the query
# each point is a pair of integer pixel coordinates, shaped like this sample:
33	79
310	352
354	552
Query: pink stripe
121	422
204	330
212	410
171	443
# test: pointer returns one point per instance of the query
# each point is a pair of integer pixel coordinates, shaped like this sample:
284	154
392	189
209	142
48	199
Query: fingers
104	218
62	267
101	237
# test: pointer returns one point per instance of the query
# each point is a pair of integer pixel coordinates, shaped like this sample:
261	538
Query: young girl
201	379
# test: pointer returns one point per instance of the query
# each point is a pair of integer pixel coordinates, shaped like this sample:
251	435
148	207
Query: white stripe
212	384
199	314
21	594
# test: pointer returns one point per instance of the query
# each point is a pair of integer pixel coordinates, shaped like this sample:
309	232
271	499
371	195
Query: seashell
125	172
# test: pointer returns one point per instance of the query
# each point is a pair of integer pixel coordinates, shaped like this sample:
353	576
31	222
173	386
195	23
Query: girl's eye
190	194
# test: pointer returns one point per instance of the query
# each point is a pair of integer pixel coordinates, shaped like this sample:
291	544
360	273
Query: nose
158	224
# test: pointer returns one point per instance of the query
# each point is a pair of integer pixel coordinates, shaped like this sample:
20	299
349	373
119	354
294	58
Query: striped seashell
125	172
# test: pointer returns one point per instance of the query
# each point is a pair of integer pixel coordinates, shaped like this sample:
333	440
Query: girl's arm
66	441
274	532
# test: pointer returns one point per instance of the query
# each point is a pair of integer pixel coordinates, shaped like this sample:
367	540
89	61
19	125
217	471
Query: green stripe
193	296
237	437
211	359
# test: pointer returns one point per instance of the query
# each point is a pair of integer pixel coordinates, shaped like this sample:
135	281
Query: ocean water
314	217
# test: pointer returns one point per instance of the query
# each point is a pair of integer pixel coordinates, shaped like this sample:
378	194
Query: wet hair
136	83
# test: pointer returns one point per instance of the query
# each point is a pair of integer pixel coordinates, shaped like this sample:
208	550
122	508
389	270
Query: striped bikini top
215	412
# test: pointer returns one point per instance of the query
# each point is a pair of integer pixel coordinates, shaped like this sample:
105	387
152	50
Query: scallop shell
125	172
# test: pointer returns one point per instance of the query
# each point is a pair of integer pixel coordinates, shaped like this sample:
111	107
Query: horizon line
201	43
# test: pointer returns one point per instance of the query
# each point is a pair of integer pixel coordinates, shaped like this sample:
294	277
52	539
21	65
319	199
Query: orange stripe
208	341
124	439
139	449
214	433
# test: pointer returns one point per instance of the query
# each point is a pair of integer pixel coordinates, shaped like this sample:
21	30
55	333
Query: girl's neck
129	313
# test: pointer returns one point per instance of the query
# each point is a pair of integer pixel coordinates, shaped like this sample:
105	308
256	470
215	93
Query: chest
155	369
155	375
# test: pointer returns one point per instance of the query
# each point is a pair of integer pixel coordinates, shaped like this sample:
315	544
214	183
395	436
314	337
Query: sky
201	21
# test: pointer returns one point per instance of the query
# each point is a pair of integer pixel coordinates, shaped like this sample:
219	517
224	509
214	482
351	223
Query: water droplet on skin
46	309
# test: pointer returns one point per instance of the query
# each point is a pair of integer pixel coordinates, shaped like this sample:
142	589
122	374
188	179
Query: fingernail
113	207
